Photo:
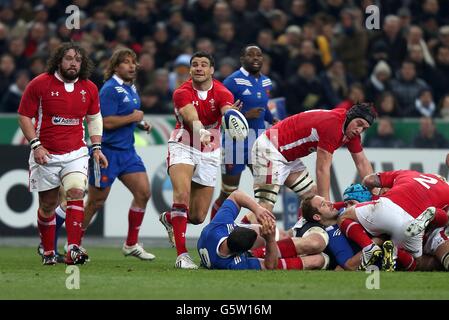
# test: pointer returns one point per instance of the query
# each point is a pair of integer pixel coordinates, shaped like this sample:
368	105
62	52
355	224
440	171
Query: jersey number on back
425	181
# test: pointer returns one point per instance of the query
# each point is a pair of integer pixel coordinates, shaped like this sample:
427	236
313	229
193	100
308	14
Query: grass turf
109	275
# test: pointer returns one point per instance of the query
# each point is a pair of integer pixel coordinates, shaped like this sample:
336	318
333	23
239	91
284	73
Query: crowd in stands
319	54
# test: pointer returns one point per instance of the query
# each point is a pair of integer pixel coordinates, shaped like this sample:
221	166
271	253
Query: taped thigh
303	184
267	193
74	180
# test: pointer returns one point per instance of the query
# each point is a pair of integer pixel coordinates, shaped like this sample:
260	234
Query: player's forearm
270	260
364	167
323	181
27	126
245	201
114	122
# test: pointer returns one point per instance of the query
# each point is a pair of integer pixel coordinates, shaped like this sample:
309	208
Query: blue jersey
215	233
118	99
339	249
253	93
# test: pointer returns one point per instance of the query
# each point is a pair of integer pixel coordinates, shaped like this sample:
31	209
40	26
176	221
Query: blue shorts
235	156
120	162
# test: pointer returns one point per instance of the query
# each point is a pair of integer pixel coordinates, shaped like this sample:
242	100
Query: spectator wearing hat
378	82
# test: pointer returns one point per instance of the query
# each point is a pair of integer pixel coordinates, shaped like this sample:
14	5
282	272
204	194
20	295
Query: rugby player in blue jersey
120	108
224	245
253	89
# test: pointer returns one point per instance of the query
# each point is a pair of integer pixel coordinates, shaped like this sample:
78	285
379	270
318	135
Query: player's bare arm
447	160
190	116
323	166
40	153
362	164
114	122
268	231
243	200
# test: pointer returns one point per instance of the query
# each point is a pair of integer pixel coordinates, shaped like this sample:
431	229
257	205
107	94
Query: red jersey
414	191
59	109
208	105
301	134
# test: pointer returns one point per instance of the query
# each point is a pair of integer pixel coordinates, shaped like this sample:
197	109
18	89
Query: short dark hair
241	239
308	211
87	66
243	51
203	54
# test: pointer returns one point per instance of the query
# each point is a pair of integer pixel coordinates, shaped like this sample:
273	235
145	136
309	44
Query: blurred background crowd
318	54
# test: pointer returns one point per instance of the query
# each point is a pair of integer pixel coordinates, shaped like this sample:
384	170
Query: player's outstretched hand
41	155
100	158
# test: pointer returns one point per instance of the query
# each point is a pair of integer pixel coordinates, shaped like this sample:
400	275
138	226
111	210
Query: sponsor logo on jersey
126	99
61	121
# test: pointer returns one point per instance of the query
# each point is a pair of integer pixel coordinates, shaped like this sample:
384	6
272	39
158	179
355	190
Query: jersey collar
118	79
246	73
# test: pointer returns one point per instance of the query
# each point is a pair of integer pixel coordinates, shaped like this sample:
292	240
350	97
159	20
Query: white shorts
383	216
206	163
436	238
269	165
49	176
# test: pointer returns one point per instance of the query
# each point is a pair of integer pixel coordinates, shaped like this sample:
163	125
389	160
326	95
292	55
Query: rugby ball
235	124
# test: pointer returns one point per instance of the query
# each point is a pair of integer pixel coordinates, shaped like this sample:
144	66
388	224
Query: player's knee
304	185
74	185
267	194
197	219
47	208
143	196
75	194
316	240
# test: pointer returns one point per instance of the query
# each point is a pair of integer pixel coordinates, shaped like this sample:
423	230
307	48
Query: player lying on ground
224	245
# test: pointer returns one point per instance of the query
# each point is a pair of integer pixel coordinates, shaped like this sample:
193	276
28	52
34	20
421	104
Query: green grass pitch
109	275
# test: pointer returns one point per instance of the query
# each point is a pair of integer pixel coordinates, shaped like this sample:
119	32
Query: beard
69	75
